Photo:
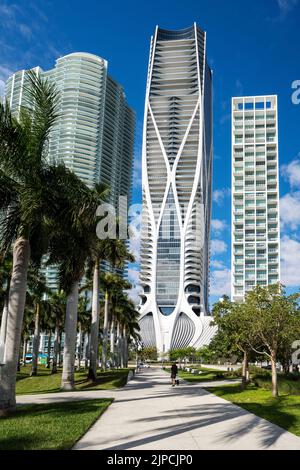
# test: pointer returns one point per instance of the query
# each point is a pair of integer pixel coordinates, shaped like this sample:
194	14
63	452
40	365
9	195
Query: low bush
286	385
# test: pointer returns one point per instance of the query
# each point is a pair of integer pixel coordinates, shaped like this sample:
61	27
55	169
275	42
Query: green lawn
49	426
283	411
206	376
44	382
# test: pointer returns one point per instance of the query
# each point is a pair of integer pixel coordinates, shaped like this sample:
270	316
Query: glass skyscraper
94	135
255	194
177	173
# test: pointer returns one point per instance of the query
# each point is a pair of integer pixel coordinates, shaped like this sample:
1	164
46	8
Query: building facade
255	251
176	180
94	134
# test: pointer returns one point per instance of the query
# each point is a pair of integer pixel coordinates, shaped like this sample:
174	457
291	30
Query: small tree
275	323
204	354
234	328
149	353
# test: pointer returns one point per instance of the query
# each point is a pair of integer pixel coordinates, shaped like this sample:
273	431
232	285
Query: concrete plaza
149	414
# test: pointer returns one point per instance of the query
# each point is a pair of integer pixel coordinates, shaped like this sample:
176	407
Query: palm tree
58	302
37	289
117	297
127	326
5	276
33	196
116	253
111	283
70	248
84	322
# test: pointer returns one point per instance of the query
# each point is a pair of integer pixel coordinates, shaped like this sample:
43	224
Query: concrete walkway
149	414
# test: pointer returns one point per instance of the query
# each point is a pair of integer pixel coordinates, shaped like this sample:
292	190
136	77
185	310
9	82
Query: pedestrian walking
174	370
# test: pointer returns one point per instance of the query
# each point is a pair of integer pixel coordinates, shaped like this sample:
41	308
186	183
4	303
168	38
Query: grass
49	426
285	384
45	382
283	411
206	375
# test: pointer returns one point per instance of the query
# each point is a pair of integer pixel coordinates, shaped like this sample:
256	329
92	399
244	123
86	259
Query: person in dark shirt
174	370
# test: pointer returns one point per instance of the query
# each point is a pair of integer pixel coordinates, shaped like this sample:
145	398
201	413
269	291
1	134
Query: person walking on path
174	370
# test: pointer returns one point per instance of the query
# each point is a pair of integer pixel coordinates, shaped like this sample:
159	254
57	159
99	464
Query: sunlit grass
45	382
49	426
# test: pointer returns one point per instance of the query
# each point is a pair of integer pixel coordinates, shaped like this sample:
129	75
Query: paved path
149	414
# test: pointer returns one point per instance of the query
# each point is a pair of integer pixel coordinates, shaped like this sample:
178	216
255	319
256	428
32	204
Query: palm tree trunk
105	331
49	349
55	350
122	358
60	349
25	344
67	382
87	351
3	330
118	345
36	341
79	346
112	340
125	346
92	374
16	305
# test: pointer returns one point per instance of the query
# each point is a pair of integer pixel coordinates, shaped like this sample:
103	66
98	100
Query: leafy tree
275	323
181	354
234	330
205	354
149	353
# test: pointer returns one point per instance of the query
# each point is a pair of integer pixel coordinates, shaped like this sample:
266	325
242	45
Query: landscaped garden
203	374
45	382
283	410
51	425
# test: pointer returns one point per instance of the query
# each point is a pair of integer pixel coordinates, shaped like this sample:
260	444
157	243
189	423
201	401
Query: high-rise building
255	194
176	180
94	134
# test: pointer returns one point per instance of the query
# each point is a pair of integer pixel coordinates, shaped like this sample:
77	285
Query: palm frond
38	114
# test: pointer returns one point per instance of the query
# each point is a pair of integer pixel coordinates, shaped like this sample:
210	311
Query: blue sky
253	48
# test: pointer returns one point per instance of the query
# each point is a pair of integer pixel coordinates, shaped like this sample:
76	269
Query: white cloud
137	171
290	262
133	275
135	231
25	31
290	210
285	6
291	172
220	194
133	293
5	72
217	264
220	282
217	247
218	225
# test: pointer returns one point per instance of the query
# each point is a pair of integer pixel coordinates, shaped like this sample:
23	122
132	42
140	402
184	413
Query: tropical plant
57	311
112	285
35	198
70	247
